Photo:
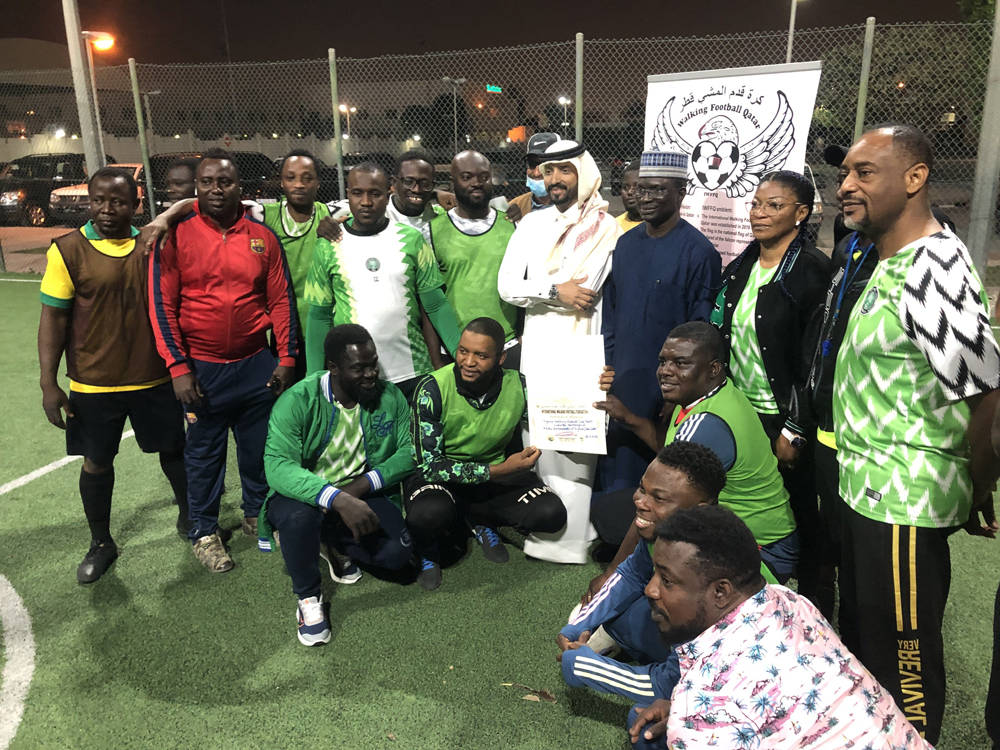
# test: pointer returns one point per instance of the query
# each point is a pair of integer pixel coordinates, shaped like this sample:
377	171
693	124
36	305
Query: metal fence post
335	98
984	189
579	88
143	146
866	67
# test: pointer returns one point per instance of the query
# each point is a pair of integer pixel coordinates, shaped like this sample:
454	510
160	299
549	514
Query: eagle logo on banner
718	160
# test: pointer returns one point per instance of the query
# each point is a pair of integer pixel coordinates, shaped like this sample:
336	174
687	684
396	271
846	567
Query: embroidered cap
664	164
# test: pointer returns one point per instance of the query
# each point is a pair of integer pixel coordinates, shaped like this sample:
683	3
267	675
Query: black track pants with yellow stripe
894	583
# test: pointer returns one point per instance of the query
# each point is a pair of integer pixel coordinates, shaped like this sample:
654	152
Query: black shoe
184	525
429	575
603	553
96	562
493	548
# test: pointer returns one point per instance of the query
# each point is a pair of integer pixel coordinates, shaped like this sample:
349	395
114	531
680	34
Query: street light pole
149	111
791	32
97	107
455	83
75	42
565	102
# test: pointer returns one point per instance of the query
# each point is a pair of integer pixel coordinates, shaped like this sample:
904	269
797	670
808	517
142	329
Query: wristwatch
554	292
797	441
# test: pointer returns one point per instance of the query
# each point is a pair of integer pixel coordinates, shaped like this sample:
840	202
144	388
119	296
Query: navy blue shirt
656	284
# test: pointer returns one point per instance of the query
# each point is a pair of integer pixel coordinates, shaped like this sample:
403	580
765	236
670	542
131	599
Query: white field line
19	665
21	481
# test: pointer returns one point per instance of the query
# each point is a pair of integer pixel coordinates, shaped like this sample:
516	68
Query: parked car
259	177
71	204
27	183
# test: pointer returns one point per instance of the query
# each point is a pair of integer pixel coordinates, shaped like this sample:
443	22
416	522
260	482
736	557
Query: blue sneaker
489	541
314	627
429	575
342	568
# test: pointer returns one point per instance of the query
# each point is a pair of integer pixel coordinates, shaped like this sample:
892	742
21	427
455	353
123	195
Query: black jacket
827	328
785	307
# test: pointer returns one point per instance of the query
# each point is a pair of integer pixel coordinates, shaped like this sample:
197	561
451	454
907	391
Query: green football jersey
344	457
745	362
375	280
299	242
917	344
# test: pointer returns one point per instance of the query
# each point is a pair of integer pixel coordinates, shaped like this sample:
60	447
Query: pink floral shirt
773	674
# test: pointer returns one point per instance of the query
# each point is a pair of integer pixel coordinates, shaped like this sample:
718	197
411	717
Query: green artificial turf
161	654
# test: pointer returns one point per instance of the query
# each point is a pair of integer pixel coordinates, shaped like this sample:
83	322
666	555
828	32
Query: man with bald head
378	275
469	242
914	394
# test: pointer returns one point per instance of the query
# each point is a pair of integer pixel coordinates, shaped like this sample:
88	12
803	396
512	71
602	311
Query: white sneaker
342	568
313	627
599	641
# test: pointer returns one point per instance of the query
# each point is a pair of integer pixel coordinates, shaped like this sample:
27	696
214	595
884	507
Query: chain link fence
932	75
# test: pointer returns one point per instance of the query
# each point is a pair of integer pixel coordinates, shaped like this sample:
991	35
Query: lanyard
848	280
845	282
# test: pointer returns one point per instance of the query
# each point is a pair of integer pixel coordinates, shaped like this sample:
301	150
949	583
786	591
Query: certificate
562	377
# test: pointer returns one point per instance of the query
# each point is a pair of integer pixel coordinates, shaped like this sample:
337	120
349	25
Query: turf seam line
48	468
24	281
19	651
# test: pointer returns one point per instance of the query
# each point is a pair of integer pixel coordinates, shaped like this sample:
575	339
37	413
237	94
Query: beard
468	202
570	195
676	634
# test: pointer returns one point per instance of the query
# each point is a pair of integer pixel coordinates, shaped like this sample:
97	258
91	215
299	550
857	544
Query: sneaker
314	627
429	575
212	554
250	526
493	548
342	568
97	561
183	525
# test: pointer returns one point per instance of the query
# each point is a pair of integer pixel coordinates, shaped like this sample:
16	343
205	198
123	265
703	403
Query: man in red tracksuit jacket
218	282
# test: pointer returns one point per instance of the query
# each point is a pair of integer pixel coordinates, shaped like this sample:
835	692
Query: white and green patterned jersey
344	458
745	363
375	280
421	222
917	344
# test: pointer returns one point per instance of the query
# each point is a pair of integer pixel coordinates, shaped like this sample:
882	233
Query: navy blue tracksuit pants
236	397
303	527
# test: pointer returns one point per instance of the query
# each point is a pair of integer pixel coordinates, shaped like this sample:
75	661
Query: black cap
834	155
539	142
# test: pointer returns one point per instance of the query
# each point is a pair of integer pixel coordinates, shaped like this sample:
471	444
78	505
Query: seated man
339	441
681	476
759	667
708	409
465	414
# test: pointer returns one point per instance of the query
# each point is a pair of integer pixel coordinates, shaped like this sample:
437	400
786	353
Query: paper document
562	378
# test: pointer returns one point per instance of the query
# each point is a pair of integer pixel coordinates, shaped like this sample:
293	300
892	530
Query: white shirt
524	281
473	227
421	222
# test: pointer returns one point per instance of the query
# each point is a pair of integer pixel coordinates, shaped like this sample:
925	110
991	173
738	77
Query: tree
445	117
976	10
416	120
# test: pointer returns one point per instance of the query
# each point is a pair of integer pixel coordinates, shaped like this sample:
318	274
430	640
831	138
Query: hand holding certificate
562	378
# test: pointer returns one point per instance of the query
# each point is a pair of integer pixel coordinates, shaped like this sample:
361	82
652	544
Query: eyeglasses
654	193
409	183
768	208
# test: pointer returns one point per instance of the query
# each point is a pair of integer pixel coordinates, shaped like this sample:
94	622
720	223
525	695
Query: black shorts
95	429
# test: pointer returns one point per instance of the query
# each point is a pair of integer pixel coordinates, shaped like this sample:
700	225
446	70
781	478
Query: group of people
787	416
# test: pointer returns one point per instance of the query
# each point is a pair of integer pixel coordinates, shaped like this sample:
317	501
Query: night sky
191	31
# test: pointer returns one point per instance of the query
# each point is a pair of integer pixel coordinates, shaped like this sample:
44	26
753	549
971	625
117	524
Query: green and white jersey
375	280
344	458
421	223
916	345
745	363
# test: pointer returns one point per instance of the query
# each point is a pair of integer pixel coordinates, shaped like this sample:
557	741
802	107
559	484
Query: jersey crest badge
870	299
372	264
257	245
